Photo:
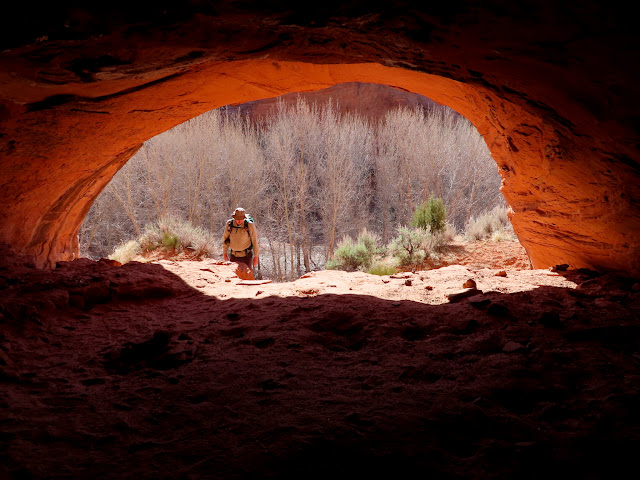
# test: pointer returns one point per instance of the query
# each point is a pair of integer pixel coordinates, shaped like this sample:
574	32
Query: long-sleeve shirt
240	239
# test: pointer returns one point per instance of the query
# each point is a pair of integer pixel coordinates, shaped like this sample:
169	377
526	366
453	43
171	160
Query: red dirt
174	370
509	254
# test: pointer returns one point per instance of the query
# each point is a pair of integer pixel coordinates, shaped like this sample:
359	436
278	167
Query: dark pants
247	259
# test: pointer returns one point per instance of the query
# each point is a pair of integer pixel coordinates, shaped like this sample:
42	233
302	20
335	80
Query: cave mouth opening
88	146
321	172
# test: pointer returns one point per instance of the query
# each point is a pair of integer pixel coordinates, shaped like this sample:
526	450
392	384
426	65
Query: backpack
247	220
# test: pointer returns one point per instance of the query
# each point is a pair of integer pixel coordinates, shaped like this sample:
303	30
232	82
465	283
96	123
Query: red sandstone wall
555	108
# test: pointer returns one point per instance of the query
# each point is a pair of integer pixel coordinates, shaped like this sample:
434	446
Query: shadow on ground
133	374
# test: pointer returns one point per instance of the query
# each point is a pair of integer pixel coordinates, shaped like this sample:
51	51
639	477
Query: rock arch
557	112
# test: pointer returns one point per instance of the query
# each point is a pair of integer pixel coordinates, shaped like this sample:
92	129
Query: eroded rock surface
551	87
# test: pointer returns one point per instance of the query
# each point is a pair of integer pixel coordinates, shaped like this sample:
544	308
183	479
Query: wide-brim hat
239	214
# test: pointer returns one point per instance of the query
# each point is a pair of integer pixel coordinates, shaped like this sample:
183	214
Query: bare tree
280	149
341	161
309	174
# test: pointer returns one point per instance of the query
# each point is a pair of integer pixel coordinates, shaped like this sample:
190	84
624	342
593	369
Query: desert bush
358	255
492	224
431	214
371	241
384	266
447	234
348	256
411	245
126	251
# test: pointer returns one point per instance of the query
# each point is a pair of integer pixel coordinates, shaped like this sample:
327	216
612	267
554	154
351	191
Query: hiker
240	238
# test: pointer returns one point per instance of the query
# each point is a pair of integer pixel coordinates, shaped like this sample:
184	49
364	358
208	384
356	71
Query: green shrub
430	214
333	264
349	256
411	246
169	240
371	242
382	267
358	255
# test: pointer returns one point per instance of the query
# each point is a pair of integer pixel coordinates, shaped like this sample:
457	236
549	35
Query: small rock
428	287
401	275
512	347
501	273
259	292
471	283
589	273
227	280
111	263
479	301
559	268
459	295
407	282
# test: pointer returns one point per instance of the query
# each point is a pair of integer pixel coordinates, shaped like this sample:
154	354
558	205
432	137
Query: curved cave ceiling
552	89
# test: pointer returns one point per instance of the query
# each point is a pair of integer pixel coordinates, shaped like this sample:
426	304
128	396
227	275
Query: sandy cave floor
176	370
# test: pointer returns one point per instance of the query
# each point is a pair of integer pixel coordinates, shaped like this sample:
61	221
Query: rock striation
551	87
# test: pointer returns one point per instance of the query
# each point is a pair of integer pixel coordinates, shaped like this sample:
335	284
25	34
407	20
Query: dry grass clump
172	236
126	251
493	225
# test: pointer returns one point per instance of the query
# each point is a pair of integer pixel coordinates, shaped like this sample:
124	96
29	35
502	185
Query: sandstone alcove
130	372
555	110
